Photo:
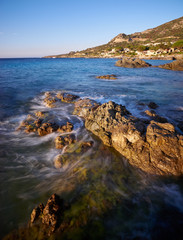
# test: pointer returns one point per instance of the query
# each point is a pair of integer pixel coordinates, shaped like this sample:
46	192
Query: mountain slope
168	32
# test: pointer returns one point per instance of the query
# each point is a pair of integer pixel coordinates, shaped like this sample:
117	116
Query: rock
40	114
66	97
155	116
153	147
52	212
150	113
50	101
42	126
36	212
132	63
110	77
165	148
65	128
62	141
175	65
47	128
61	159
84	106
152	105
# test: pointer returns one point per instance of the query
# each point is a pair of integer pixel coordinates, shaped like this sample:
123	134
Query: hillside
158	41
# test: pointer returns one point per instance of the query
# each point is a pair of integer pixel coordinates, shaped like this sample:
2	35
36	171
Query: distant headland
162	42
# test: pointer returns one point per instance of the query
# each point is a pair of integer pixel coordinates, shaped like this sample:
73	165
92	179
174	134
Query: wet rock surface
67	97
155	147
110	77
62	141
176	65
132	63
44	123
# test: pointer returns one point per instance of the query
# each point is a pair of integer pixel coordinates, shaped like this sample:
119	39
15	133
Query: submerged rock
110	77
153	147
132	63
152	105
175	65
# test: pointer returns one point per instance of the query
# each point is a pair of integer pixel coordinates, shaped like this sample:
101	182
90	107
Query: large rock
132	63
155	147
175	65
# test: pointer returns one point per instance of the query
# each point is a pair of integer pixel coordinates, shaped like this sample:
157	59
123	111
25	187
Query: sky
36	28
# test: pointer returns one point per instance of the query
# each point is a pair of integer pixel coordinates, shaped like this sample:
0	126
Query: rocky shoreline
152	145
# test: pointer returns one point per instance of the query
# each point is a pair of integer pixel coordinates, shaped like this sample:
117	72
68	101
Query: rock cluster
175	65
43	124
62	141
132	63
110	77
153	147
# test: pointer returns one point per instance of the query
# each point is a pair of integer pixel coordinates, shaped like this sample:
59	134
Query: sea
139	205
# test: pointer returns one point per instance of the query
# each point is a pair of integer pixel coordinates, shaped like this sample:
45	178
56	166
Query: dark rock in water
66	97
175	65
62	141
155	116
53	212
50	215
132	63
155	147
152	105
110	77
180	126
84	106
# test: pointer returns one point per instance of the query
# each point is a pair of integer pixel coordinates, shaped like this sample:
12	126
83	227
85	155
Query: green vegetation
178	44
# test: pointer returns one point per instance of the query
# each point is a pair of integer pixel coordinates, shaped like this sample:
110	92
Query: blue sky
35	28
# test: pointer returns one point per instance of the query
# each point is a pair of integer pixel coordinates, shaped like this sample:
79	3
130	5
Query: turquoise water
27	174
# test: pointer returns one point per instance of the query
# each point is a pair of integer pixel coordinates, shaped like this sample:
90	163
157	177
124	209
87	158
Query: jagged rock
84	106
36	212
110	77
52	212
66	97
65	128
62	141
132	63
175	65
155	147
152	105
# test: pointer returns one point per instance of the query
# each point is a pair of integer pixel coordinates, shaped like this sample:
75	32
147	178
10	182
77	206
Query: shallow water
138	201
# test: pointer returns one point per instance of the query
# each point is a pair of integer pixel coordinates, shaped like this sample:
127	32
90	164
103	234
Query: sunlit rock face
153	147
